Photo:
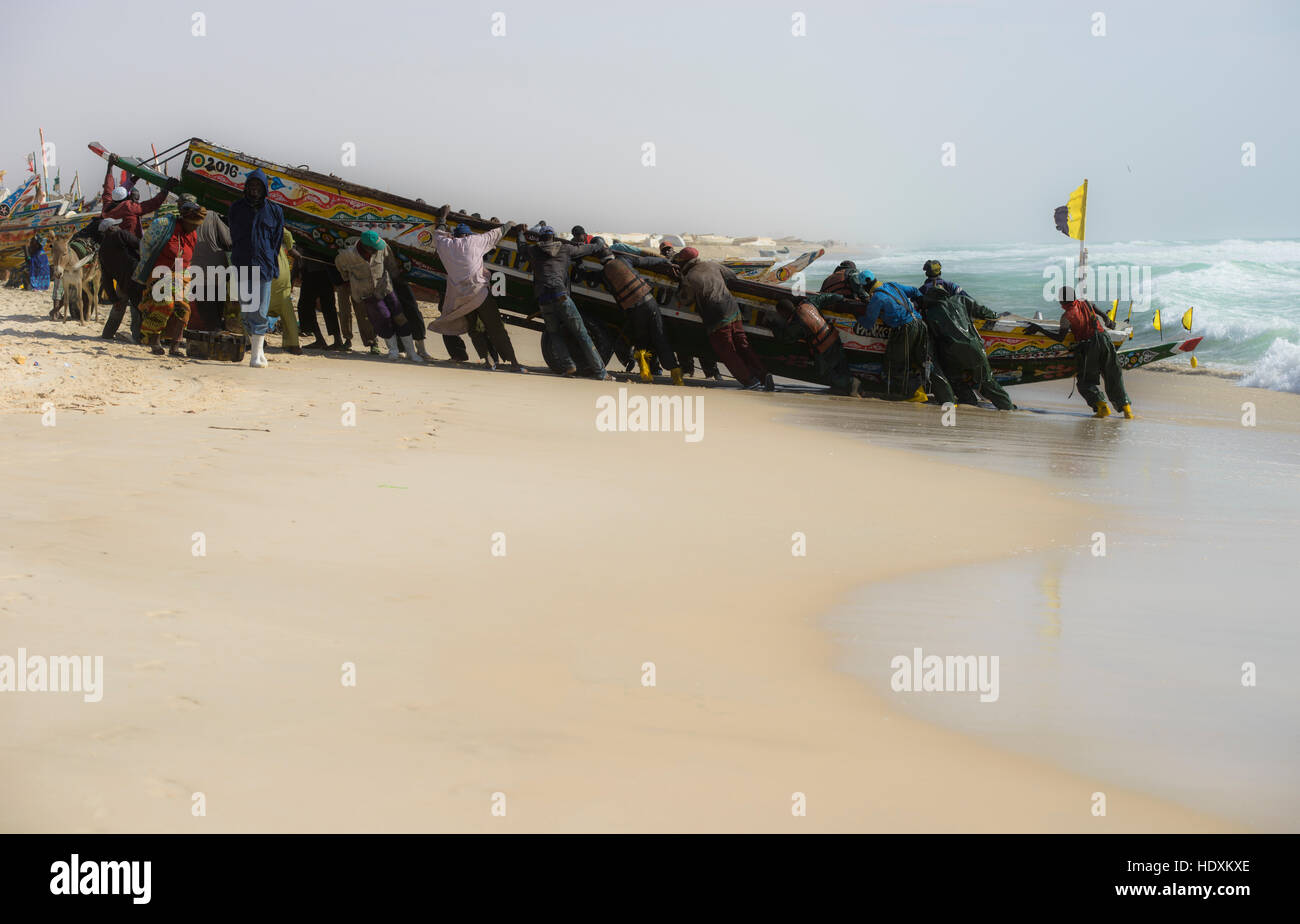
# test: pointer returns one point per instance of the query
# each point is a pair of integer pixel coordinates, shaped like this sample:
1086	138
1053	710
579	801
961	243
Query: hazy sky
837	133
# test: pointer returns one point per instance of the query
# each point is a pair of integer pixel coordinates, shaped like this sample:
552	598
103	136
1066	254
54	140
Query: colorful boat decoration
51	222
327	212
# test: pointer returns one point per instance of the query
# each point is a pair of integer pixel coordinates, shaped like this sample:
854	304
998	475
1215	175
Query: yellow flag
1114	310
1187	319
1078	206
1070	217
1155	322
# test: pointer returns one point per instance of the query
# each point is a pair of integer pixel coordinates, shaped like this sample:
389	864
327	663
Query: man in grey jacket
551	259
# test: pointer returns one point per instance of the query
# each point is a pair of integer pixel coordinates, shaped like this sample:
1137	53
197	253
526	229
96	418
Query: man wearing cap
907	351
256	234
704	284
551	260
124	201
948	311
362	268
468	305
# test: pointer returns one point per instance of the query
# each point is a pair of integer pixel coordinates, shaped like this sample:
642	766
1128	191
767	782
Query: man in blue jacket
256	232
907	350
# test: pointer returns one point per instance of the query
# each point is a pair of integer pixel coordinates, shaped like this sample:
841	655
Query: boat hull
326	213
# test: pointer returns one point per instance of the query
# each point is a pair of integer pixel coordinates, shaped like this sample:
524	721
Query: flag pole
45	177
1081	284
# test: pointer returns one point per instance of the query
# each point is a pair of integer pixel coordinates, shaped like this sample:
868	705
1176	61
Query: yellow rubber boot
677	376
1101	410
1128	412
920	397
645	366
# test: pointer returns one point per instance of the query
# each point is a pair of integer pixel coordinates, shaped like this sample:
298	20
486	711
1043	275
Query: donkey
76	283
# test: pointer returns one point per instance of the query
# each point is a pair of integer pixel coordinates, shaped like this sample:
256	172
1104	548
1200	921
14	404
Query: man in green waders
948	313
1097	358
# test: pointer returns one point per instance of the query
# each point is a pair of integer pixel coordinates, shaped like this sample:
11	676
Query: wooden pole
45	177
1081	285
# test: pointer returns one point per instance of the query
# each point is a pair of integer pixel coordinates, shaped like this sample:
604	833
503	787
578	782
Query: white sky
836	134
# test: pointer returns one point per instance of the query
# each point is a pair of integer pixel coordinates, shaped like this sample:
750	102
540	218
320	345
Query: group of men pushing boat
933	349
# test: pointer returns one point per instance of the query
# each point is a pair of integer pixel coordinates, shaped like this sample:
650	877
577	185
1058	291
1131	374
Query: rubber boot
920	397
423	353
408	347
1128	412
1101	410
676	373
392	347
644	364
256	355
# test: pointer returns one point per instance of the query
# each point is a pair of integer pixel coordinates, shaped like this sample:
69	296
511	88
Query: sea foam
1278	369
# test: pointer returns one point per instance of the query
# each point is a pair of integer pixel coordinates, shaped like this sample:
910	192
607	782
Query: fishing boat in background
25	214
327	213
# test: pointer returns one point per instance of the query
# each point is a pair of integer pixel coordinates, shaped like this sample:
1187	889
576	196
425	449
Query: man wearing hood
123	202
256	233
551	260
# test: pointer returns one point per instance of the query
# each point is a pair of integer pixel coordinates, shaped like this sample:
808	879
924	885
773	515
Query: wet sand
522	674
1128	664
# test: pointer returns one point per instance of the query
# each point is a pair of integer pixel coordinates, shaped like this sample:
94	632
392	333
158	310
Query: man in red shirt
121	202
1097	358
166	302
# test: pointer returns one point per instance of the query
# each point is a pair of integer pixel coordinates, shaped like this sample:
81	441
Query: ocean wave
1278	369
1246	293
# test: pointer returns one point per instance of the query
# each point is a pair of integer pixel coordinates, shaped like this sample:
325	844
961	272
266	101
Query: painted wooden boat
327	212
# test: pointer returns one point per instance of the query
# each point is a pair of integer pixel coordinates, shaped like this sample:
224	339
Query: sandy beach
521	673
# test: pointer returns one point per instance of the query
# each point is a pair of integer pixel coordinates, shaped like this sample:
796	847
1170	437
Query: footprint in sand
154	665
180	640
185	703
118	731
14	577
165	789
161	614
